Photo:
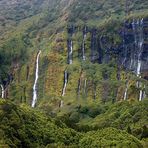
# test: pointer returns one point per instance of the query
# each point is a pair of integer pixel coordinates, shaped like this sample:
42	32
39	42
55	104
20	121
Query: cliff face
104	58
136	43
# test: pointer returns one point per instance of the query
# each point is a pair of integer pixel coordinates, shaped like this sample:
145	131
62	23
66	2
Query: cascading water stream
2	91
70	51
140	44
34	100
138	27
125	93
61	103
65	82
144	94
83	45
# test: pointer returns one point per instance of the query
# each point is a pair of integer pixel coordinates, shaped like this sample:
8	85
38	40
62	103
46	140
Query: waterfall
65	82
140	44
125	93
137	27
138	40
70	51
2	91
144	94
35	82
141	95
61	103
83	45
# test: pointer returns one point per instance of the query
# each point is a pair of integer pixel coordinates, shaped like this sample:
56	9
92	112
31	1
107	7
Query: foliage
22	126
109	137
129	116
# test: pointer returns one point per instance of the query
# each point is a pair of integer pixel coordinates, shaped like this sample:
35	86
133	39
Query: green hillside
25	127
84	66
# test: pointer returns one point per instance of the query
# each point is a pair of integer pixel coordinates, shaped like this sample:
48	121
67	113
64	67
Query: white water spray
70	52
2	91
140	44
61	103
125	93
65	82
34	100
144	94
138	27
141	95
83	45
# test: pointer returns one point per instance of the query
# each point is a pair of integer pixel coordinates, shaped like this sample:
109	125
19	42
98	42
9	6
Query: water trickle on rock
61	103
34	99
83	45
65	82
70	51
2	91
138	41
125	93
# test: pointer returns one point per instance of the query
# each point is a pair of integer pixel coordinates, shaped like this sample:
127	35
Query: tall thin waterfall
140	45
144	94
125	93
65	82
70	51
61	103
34	100
83	45
2	91
138	36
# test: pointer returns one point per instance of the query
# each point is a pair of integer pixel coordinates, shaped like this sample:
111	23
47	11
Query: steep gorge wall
100	67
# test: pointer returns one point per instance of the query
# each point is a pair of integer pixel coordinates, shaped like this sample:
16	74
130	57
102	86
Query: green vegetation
130	116
109	137
22	126
93	113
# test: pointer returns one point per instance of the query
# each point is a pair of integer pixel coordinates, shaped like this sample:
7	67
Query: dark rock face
7	80
131	53
94	54
135	45
70	30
